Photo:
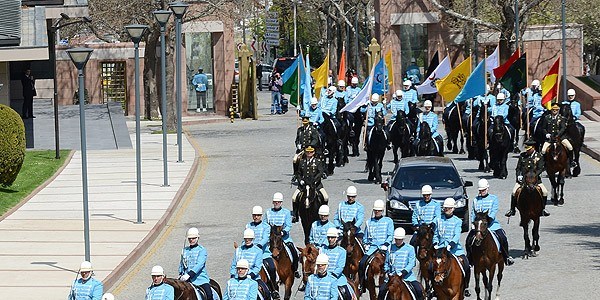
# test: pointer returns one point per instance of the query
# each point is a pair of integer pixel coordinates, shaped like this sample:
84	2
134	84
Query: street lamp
162	17
136	32
79	57
179	8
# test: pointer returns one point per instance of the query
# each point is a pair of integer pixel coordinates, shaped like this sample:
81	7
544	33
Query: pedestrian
276	85
192	267
86	287
200	81
159	290
29	92
259	70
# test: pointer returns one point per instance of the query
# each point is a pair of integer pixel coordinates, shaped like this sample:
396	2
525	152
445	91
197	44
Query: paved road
244	163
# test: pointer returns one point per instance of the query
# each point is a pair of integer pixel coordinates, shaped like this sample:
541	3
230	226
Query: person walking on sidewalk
276	94
159	290
200	81
86	287
28	83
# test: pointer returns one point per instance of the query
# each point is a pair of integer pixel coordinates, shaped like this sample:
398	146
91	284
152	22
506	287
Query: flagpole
365	121
298	91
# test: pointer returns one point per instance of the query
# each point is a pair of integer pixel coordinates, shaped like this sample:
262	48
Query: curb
141	248
205	121
40	187
591	152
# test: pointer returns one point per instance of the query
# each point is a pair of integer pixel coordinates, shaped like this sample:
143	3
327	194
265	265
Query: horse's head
498	130
556	150
567	113
425	240
530	180
308	194
308	256
379	121
441	265
276	241
349	237
400	117
425	132
481	223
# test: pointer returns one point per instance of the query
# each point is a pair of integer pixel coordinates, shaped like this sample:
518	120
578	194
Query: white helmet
375	97
158	270
86	266
449	202
399	233
351	191
399	93
324	210
242	264
426	190
248	233
378	205
407	83
483	184
354	80
257	210
278	197
331	90
332	232
571	92
535	82
193	233
500	96
314	100
341	83
427	103
108	296
322	259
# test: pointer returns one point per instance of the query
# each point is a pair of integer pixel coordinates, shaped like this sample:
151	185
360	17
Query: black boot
295	205
513	204
544	212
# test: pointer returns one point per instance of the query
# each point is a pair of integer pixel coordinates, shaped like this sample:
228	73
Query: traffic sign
271	22
272	35
271	28
272	42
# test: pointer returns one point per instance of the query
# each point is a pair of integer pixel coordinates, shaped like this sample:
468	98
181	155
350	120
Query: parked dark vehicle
403	188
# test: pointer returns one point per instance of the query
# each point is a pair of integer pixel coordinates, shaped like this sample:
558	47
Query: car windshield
414	177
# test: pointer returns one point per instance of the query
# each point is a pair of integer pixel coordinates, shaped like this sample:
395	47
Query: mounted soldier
321	285
350	211
397	104
241	286
310	173
159	290
192	267
554	128
262	231
254	255
426	212
372	109
315	117
306	135
279	216
529	161
410	95
318	230
86	287
337	262
431	118
575	105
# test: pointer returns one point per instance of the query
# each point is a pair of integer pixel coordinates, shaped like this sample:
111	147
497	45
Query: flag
441	71
321	76
307	93
492	62
515	78
380	83
342	68
499	71
452	84
475	85
433	64
362	97
550	85
292	79
390	69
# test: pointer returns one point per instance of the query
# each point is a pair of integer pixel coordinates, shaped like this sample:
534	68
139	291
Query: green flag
292	79
515	79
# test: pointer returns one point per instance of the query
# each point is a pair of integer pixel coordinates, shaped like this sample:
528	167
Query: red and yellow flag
342	68
550	85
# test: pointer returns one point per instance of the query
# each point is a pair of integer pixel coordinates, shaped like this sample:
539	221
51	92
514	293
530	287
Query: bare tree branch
459	16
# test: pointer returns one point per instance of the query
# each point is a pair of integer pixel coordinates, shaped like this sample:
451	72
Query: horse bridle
478	230
444	274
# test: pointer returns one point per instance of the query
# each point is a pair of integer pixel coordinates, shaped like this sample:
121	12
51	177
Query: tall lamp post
162	17
136	32
80	57
179	8
564	52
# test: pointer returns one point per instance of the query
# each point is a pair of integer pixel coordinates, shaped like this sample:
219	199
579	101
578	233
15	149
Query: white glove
367	246
547	135
384	101
299	147
472	226
383	248
301	182
520	178
184	277
448	247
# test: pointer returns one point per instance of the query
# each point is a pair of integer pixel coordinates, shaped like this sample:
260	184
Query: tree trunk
170	74
151	68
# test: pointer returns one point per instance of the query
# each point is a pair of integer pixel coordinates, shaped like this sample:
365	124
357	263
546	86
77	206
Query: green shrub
12	145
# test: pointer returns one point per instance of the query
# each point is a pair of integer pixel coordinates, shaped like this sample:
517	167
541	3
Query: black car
403	188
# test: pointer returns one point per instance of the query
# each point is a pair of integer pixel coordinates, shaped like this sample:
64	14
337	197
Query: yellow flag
321	76
390	69
449	86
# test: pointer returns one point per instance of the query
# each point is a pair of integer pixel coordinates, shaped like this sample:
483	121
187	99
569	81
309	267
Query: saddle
460	264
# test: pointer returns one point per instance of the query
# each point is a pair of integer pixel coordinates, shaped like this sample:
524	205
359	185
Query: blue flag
380	80
475	84
306	86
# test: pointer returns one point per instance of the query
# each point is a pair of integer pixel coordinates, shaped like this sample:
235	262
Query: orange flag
550	85
342	69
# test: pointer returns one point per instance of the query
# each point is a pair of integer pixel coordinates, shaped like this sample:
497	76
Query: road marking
199	176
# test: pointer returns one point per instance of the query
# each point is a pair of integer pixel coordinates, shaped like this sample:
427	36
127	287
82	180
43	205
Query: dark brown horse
448	281
425	250
557	166
529	202
186	291
486	257
374	276
354	251
283	261
397	289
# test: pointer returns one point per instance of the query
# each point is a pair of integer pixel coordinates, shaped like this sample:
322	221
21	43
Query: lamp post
136	32
80	56
295	28
162	17
179	8
564	53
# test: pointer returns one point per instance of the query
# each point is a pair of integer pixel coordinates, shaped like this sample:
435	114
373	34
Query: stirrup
545	213
510	213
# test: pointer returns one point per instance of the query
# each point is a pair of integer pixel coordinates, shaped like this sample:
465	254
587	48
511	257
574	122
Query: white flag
428	86
492	62
363	96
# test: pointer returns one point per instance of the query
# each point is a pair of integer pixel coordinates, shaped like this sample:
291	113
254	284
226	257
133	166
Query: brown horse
397	289
374	276
283	262
354	251
448	281
529	202
308	257
425	255
557	167
186	291
486	257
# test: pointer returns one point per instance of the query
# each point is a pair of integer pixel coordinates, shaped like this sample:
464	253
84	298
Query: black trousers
27	111
200	99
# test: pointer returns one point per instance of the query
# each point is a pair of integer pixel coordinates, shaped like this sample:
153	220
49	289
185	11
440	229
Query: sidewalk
591	143
41	243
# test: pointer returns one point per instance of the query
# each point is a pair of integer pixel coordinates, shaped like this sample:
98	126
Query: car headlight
395	204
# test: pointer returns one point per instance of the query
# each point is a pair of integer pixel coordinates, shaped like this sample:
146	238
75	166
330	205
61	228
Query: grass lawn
39	165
